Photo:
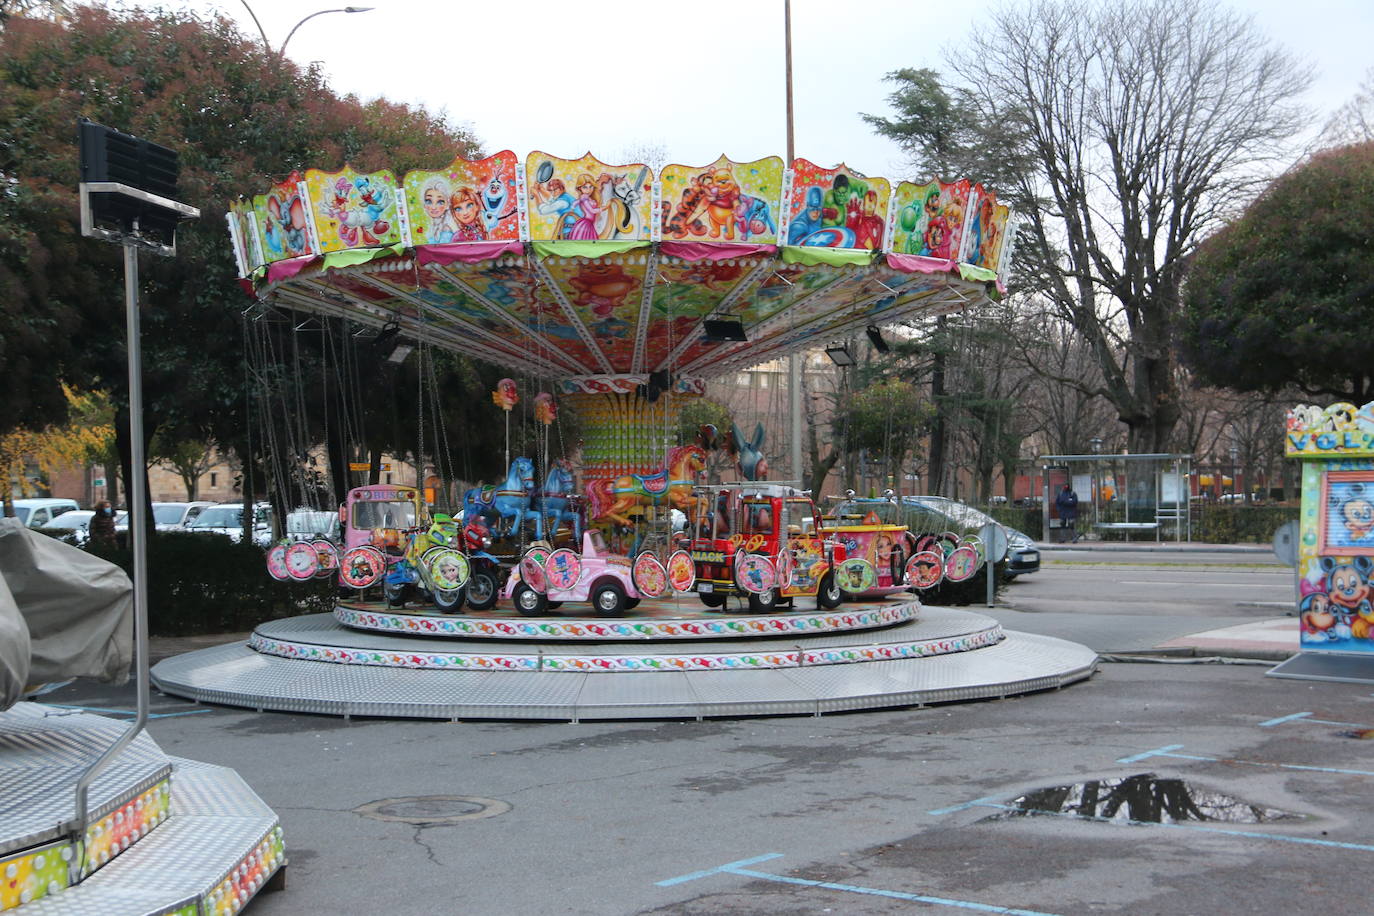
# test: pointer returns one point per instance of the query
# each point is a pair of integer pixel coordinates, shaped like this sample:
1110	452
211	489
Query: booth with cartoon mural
1336	541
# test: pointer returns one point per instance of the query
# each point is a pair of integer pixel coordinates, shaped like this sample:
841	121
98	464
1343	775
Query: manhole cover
428	810
1143	798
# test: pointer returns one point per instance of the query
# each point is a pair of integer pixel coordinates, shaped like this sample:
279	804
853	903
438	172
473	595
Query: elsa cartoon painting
435	199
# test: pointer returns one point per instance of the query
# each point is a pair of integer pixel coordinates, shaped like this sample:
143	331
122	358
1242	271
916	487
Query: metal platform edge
236	676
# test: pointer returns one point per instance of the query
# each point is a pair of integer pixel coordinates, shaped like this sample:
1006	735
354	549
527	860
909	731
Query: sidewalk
1155	547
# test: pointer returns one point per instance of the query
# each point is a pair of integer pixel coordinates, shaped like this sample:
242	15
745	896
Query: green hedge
1027	521
199	583
1223	524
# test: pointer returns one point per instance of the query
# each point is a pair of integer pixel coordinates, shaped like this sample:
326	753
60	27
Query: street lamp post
1235	478
280	53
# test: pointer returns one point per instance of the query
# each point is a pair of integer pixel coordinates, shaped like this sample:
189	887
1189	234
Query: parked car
37	513
227	519
313	524
74	526
1022	555
170	516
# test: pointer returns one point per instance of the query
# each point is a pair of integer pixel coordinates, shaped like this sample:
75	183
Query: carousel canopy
596	273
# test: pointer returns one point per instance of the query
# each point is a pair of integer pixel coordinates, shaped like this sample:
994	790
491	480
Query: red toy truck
763	541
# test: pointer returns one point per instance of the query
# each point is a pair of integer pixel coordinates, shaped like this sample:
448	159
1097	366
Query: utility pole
794	362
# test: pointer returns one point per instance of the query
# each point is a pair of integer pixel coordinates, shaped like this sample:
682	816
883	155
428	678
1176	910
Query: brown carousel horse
612	499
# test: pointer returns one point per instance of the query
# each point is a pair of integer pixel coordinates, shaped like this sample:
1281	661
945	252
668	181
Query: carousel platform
315	664
670	619
165	835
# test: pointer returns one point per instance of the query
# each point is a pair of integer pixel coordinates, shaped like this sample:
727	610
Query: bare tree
1125	131
1353	122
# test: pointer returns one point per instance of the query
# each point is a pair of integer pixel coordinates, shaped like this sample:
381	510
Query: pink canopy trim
285	270
712	251
466	252
916	264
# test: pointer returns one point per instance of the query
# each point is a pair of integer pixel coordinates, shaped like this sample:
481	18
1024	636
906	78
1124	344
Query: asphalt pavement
1162	785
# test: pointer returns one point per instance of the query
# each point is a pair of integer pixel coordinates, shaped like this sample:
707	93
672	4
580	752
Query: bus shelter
1119	497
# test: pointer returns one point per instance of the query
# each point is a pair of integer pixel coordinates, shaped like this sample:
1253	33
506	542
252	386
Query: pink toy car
597	576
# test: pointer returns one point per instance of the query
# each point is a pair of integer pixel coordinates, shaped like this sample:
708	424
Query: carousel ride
622	292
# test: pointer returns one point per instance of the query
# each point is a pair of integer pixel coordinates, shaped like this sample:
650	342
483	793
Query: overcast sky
698	78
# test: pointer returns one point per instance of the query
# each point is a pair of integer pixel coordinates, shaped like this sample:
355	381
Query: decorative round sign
532	574
650	578
925	569
787	565
539	552
856	575
995	536
949	542
326	558
563	568
754	572
447	569
276	563
362	566
961	564
979	547
302	562
927	542
682	571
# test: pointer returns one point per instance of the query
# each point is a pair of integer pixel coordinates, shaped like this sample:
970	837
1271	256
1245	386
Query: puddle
1143	798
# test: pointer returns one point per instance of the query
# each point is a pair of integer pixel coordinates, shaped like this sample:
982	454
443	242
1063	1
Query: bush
1240	524
199	583
1028	521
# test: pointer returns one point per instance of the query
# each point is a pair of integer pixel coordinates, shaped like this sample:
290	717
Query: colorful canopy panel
577	268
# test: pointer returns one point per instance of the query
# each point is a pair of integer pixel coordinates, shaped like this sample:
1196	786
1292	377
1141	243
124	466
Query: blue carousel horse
555	502
507	500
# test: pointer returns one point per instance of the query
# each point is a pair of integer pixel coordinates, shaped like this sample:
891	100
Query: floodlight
720	330
840	355
875	337
399	354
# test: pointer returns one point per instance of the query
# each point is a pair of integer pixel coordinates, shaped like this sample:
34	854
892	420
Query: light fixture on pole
280	53
840	355
1095	443
875	337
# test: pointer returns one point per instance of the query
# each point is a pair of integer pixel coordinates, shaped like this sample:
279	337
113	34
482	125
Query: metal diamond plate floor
43	752
235	675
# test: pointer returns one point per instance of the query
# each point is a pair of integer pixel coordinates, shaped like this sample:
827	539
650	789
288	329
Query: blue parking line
966	805
1157	752
1304	841
738	868
715	871
1168	751
1305	717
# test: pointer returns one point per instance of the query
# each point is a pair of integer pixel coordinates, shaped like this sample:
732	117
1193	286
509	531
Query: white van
36	513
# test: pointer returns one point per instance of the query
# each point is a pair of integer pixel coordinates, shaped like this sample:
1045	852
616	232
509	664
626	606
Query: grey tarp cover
78	610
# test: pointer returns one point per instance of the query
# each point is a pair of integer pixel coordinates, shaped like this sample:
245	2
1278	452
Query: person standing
103	523
1067	505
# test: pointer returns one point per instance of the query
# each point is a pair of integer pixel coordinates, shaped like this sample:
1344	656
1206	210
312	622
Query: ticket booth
1335	591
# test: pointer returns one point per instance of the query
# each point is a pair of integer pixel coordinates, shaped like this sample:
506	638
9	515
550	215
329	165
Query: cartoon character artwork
930	218
925	569
649	576
1347	517
682	572
986	237
352	209
602	287
248	249
725	201
469	200
961	564
587	200
281	219
362	566
836	208
754	572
